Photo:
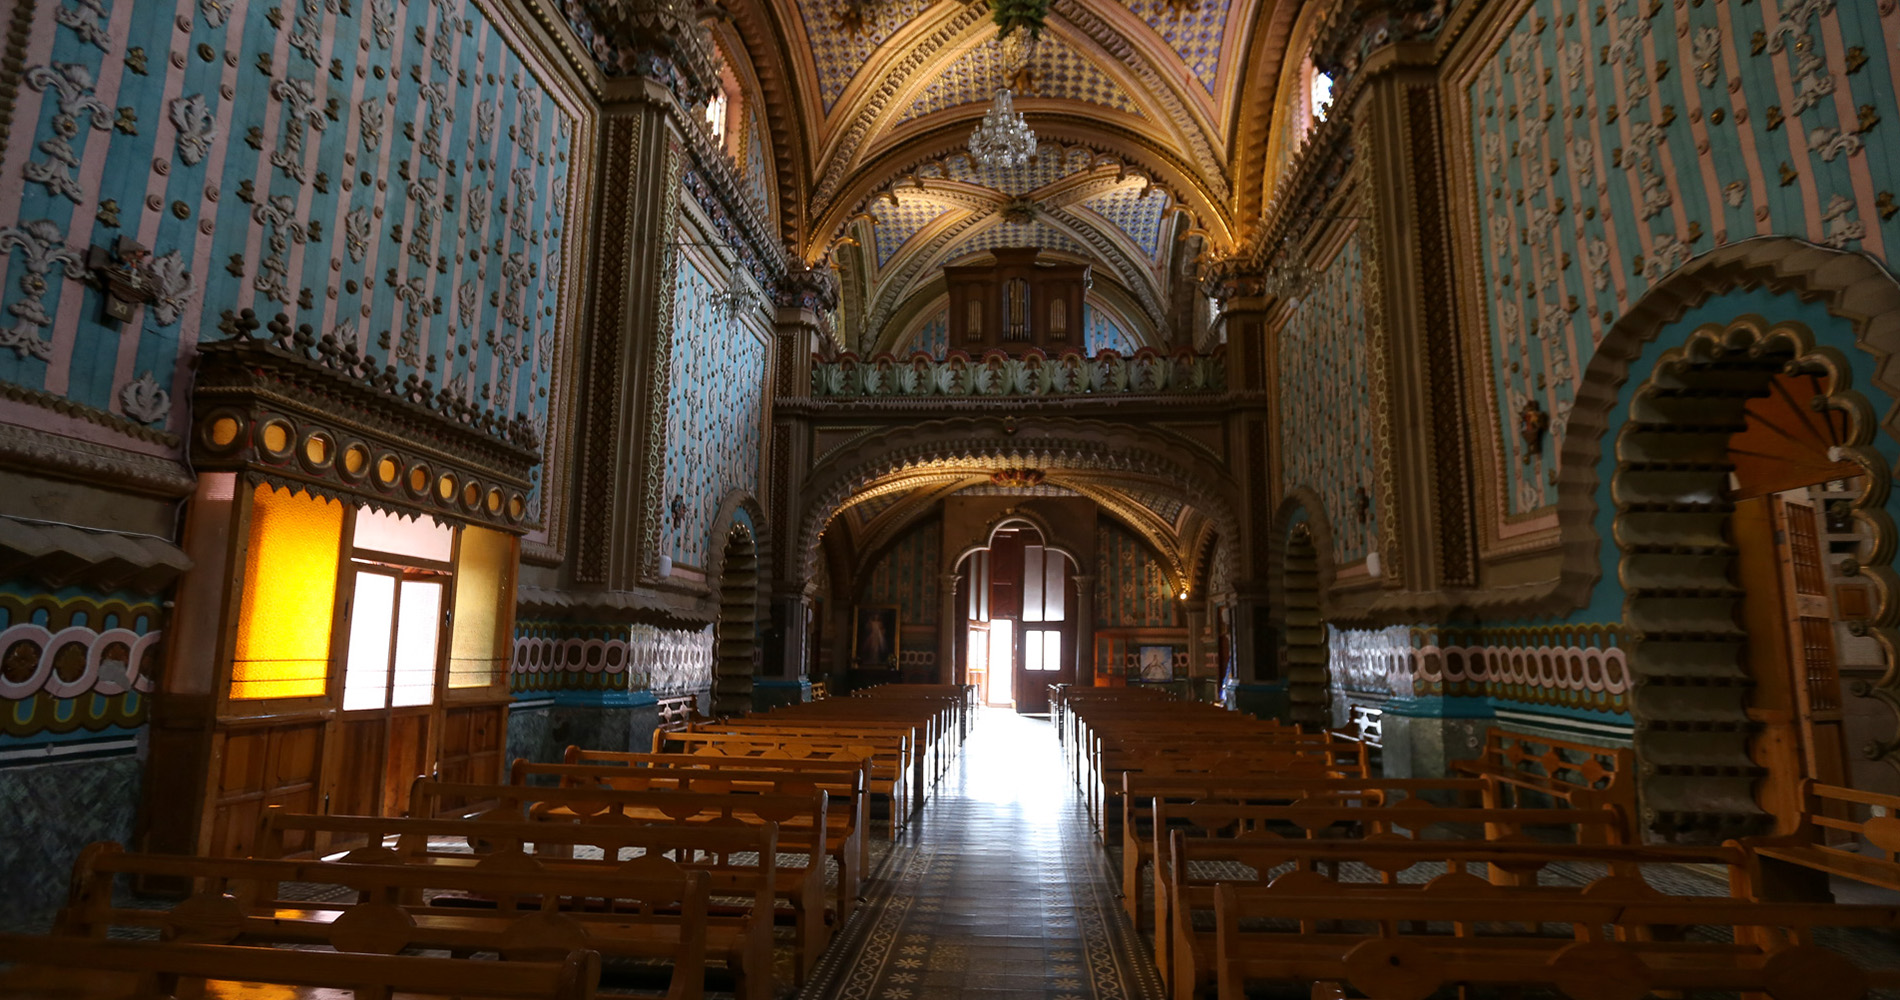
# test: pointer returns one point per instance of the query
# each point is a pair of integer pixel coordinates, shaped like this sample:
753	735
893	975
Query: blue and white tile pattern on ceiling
896	224
1613	147
1135	210
1061	73
839	52
384	170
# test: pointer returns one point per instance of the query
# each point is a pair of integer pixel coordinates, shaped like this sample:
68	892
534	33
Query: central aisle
997	891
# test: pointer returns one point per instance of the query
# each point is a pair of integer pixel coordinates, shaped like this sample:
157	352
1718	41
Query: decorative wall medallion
143	400
1018	478
73	85
196	128
42	246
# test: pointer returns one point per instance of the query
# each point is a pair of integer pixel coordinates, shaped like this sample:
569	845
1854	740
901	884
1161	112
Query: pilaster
1084	629
949	623
614	540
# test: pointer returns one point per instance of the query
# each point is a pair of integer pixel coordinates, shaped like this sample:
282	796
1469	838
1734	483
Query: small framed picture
1157	663
874	637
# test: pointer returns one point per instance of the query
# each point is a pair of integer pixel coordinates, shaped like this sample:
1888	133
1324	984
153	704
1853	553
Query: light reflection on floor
998	891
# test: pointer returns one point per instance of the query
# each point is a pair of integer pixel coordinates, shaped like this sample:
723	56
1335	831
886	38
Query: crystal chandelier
1004	139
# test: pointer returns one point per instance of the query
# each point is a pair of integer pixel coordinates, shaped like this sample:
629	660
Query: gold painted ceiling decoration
1059	71
1144	103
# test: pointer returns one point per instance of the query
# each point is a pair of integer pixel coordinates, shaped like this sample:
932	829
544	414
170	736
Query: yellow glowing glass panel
484	584
283	640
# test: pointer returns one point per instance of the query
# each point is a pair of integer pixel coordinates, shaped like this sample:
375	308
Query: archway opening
1303	630
736	636
1019	608
1737	479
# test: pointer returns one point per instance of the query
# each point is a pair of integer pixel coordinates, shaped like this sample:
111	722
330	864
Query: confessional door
1791	655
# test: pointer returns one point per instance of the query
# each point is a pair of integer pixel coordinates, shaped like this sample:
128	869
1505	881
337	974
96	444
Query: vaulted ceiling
1146	111
1174	529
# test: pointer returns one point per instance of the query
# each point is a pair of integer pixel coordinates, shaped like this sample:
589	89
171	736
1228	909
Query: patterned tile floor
998	891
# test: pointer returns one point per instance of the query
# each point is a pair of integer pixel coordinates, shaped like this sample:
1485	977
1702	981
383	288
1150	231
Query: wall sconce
1373	569
1532	422
738	299
666	567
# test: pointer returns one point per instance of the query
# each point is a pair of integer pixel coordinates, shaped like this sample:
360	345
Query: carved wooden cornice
29	449
714	181
294	410
60	555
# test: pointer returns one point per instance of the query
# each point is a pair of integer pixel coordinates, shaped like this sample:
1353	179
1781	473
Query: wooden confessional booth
349	620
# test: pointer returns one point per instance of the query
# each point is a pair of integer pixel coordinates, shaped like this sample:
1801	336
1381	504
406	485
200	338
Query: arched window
716	110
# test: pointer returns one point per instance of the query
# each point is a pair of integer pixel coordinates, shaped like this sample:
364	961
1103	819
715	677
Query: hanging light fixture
1003	140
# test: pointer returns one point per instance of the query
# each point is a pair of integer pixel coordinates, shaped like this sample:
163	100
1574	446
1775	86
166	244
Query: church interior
900	499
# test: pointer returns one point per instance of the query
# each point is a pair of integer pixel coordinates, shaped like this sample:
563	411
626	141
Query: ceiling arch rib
933	155
1125	246
1119	47
1060	72
888	507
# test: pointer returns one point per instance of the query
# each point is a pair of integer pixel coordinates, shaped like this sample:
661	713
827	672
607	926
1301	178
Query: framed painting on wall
874	636
1157	663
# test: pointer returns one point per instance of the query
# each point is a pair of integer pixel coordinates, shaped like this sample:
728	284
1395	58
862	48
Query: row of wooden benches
1275	866
664	863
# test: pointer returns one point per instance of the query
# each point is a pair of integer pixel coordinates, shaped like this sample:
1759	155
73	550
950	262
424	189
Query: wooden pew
1312	759
960	697
1495	941
648	909
1326	866
1360	815
60	967
922	746
1364	724
678	712
1143	840
842	840
889	758
738	862
1843	813
1578	774
803	887
849	806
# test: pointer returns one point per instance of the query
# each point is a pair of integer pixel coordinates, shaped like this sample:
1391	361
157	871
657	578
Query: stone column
1194	615
1084	629
1252	370
950	621
799	297
614	543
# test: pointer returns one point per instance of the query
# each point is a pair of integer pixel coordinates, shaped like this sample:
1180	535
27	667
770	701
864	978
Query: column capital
658	39
1355	29
805	287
